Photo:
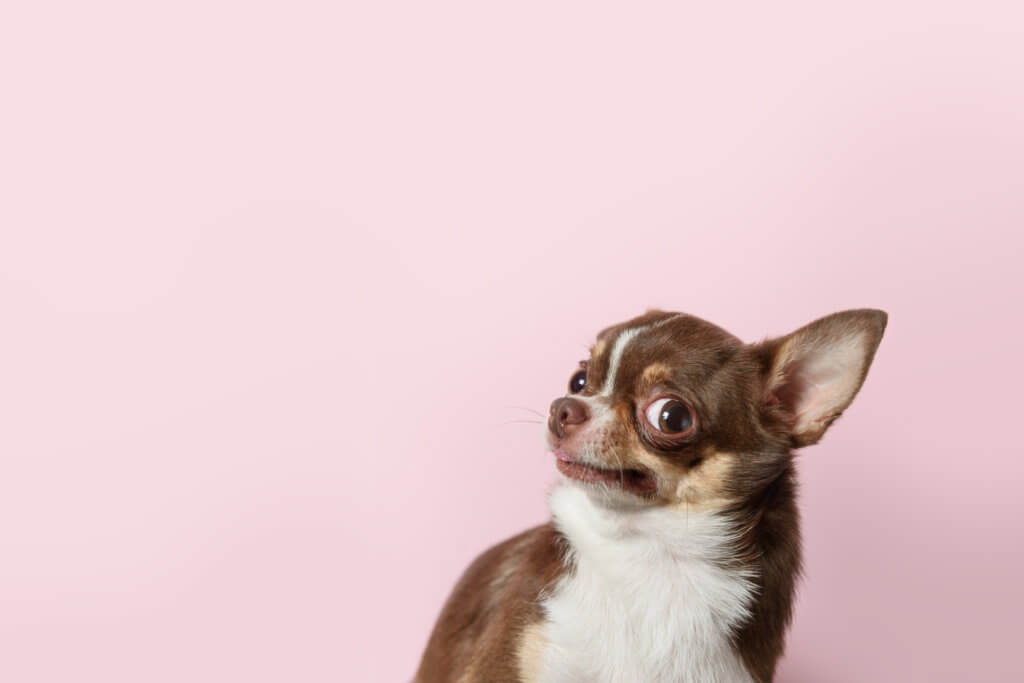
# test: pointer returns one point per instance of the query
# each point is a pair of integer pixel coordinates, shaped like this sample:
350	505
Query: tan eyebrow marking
656	373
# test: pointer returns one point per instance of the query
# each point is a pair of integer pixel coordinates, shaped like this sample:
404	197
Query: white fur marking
619	348
615	356
649	599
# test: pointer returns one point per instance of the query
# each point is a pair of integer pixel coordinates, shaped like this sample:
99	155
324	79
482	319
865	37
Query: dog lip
633	480
563	456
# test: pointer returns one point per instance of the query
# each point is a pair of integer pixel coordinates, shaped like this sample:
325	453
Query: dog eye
577	382
670	416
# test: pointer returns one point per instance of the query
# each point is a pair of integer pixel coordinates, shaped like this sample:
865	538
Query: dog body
674	546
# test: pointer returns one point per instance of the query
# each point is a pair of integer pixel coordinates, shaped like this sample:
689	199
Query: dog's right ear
814	373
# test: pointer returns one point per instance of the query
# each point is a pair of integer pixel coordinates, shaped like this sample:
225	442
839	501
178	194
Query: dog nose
566	413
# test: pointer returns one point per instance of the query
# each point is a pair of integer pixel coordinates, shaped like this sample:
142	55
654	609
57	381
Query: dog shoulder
485	625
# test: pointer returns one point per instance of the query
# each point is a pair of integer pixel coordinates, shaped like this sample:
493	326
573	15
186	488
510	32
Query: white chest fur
648	601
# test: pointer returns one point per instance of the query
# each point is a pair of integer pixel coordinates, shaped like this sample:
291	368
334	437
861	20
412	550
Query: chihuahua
674	543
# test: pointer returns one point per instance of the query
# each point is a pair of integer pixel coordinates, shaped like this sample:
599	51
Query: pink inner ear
821	379
789	392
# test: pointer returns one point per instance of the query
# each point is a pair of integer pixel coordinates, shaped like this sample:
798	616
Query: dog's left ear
815	372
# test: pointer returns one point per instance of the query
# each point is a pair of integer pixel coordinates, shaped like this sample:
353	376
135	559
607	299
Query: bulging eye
577	382
670	416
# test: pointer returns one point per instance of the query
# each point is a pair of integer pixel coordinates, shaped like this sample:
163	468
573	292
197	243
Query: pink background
272	276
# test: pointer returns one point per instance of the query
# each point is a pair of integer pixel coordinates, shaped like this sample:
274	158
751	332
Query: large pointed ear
815	372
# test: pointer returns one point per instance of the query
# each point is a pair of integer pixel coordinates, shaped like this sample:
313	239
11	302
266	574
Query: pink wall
272	276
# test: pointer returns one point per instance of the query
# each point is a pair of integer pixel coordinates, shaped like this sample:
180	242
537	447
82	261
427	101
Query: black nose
566	413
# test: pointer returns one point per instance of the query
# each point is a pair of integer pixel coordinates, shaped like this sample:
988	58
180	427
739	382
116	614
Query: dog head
670	409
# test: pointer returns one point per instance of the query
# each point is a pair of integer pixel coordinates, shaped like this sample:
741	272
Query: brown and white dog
674	545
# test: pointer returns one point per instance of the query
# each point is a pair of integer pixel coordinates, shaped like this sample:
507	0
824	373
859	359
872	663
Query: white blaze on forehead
619	347
615	356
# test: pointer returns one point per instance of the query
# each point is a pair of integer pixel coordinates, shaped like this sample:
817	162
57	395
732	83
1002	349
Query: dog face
672	410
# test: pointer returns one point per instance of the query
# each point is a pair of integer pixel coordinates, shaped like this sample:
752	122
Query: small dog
674	545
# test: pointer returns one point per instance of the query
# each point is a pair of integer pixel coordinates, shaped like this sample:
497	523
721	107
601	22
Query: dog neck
650	593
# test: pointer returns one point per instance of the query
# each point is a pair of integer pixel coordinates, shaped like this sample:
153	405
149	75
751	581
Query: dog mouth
633	480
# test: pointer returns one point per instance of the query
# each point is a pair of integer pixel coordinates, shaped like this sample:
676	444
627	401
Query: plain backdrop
278	279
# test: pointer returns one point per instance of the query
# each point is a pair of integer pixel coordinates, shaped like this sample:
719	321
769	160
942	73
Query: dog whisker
529	410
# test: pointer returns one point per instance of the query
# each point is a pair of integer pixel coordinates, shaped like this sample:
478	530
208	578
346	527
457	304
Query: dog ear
814	373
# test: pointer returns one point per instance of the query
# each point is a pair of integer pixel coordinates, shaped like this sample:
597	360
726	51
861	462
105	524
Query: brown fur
477	637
